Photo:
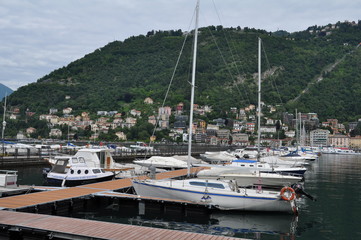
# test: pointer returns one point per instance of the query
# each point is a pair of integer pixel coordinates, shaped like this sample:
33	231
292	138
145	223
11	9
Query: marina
332	179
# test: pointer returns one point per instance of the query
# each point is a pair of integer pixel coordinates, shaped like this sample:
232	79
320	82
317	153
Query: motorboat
248	166
247	179
220	194
346	151
102	158
79	172
141	147
340	150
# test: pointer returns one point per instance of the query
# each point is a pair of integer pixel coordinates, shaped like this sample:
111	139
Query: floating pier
18	225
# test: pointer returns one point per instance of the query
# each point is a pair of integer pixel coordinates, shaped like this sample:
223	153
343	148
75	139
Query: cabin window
74	160
260	166
242	165
60	162
251	165
96	170
79	171
72	171
86	171
81	160
205	184
102	170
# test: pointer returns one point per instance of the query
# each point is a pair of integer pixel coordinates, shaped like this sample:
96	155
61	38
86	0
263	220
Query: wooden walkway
71	228
39	198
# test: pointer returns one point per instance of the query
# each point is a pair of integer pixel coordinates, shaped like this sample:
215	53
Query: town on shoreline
238	128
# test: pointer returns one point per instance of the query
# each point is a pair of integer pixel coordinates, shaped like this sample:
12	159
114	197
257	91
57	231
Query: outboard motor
300	191
46	171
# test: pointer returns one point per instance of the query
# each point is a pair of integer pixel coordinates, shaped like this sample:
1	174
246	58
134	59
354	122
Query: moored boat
79	173
224	195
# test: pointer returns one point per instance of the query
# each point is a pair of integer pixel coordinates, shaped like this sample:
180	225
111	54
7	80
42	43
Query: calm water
334	180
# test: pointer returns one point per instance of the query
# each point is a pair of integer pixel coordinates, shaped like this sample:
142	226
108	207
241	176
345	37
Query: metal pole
192	90
259	98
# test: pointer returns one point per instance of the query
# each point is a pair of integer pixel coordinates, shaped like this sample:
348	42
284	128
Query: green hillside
121	75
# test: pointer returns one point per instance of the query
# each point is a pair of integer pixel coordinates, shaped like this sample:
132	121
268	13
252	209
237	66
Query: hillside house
55	132
67	110
148	100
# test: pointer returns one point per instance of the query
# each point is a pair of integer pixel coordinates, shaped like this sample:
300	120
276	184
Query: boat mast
259	99
192	90
3	129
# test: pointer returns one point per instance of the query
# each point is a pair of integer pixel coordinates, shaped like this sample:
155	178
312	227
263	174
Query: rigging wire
232	55
174	72
272	79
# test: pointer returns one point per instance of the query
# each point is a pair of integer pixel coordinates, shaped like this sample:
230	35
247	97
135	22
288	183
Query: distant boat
341	151
247	165
173	162
246	178
141	147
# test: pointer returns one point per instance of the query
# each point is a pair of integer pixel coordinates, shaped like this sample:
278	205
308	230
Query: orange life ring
289	190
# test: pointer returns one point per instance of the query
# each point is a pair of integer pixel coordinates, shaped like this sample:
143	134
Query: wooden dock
46	197
18	224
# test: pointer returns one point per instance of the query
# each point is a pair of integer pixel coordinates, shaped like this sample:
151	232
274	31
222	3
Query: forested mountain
316	70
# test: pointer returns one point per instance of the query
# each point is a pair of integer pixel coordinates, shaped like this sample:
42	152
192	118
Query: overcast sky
39	36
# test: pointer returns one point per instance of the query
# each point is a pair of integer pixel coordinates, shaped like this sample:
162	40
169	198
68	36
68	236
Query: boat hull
71	182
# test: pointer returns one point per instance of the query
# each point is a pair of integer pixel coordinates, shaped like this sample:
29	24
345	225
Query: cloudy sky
39	36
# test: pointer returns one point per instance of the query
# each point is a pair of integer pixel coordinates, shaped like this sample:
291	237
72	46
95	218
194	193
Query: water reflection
215	222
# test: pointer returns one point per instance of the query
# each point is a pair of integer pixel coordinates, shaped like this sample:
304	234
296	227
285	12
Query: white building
319	137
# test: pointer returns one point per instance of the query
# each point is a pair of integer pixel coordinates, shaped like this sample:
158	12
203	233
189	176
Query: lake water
334	180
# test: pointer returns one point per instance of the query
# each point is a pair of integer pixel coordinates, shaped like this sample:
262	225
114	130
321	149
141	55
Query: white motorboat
224	195
79	172
141	147
102	158
248	166
245	178
346	151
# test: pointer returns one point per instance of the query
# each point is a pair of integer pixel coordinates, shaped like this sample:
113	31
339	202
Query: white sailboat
223	195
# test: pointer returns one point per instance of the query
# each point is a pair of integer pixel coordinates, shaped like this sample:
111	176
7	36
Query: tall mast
192	90
3	129
259	98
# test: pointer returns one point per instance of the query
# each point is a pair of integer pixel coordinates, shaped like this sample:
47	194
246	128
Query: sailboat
224	195
256	172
